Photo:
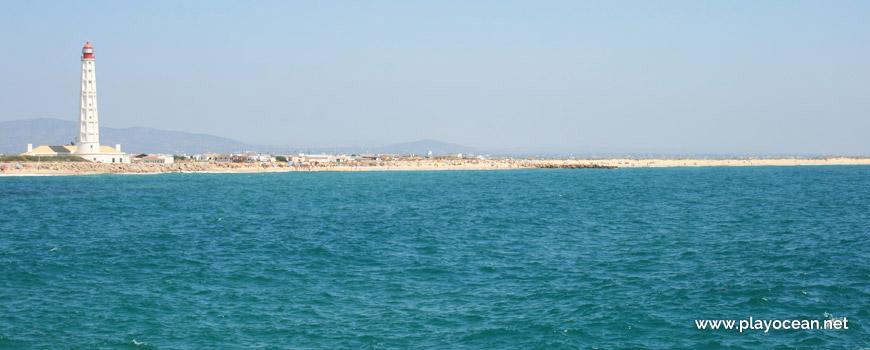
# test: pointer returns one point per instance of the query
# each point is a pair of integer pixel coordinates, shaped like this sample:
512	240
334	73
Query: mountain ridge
17	134
50	131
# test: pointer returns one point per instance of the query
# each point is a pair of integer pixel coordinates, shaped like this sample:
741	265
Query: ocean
525	259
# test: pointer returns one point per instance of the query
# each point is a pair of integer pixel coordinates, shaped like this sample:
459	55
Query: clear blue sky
756	77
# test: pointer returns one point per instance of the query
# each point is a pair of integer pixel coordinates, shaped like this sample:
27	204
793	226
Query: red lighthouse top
88	51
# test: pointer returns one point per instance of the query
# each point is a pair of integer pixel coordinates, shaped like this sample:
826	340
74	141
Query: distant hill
417	147
15	135
424	146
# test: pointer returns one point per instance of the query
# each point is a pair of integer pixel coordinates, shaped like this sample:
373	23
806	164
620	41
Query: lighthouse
89	122
87	143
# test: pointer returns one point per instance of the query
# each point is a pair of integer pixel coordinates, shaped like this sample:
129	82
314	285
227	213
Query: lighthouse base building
87	143
106	154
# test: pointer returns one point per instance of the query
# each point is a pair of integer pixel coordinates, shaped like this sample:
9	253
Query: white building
159	159
208	157
152	158
88	140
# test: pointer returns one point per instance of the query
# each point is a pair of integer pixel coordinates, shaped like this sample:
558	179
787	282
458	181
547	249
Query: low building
318	158
153	159
207	157
263	158
159	159
224	158
106	155
239	158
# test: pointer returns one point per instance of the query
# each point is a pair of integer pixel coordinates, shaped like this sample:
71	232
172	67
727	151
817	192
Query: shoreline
87	168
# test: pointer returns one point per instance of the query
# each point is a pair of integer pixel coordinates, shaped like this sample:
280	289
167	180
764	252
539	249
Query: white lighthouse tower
89	122
88	141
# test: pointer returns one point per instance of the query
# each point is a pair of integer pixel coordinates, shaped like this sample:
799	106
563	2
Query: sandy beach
82	168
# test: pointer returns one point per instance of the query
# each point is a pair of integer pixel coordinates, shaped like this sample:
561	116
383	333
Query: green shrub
7	159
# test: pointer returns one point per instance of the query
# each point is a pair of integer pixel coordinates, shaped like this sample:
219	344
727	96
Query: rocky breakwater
571	166
104	168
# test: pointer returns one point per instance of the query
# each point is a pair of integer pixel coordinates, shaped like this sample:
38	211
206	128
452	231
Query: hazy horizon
544	77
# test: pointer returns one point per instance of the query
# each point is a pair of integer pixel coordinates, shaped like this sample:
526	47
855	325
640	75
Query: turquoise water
545	259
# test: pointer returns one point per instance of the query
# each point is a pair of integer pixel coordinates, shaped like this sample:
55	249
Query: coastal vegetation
19	158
